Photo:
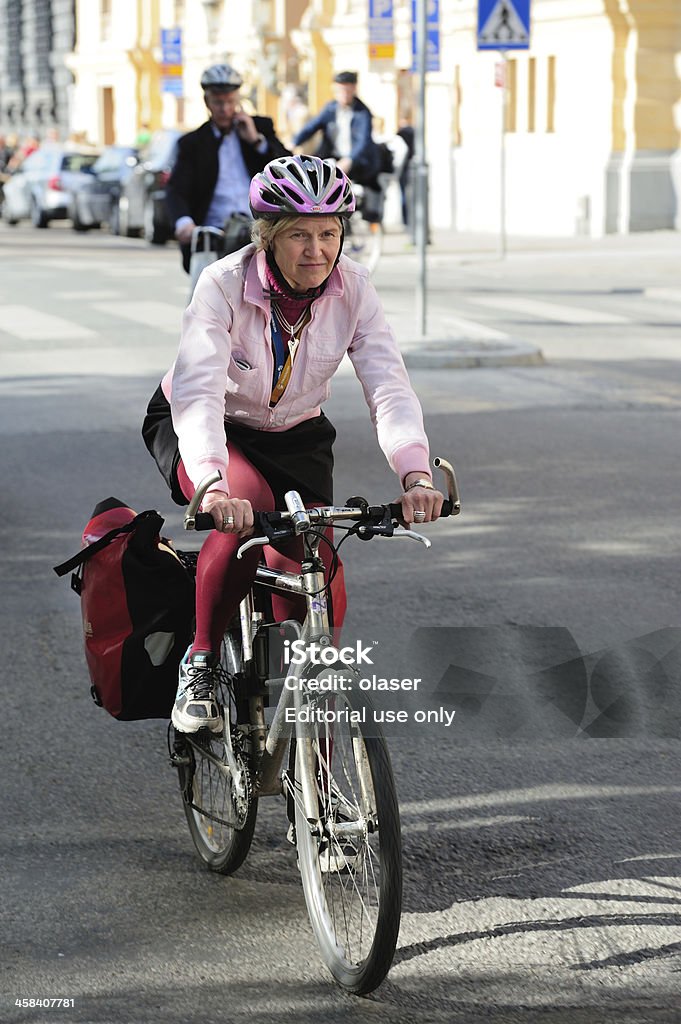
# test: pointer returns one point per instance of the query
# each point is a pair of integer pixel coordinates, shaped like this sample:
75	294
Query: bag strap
86	553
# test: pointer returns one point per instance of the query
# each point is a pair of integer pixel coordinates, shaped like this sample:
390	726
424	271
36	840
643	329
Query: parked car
142	202
39	189
95	193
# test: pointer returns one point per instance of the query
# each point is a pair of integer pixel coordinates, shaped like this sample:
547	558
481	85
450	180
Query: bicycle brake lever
412	535
253	542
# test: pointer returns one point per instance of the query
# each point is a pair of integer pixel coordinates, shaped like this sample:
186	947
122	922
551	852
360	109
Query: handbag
237	229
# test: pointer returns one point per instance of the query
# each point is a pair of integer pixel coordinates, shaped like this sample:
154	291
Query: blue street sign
171	45
432	35
503	24
173	86
381	34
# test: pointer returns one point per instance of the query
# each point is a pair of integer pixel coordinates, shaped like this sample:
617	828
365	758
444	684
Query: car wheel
76	222
153	232
39	218
8	218
115	218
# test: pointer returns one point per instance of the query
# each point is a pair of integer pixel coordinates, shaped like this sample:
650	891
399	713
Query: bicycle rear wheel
351	858
218	800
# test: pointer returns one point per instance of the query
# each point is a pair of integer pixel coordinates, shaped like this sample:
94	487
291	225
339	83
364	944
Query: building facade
35	84
591	112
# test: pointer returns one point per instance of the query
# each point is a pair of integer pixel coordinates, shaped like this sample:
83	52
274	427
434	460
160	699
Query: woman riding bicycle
266	330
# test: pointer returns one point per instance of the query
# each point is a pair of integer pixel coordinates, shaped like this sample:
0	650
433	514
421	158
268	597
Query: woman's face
306	251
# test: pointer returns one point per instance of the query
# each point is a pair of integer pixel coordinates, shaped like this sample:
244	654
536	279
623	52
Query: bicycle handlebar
372	520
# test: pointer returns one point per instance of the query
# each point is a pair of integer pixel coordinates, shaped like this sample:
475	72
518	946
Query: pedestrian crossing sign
503	24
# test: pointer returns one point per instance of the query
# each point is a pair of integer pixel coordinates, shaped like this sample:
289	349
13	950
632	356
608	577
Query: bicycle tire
221	846
220	826
364	241
352	879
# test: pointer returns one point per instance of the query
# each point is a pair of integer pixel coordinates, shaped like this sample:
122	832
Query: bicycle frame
269	745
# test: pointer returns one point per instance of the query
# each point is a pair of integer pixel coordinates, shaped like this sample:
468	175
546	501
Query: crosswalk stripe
32	325
471	329
161	316
549	310
87	296
664	294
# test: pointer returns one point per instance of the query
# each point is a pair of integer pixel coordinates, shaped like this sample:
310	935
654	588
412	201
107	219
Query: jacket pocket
244	378
318	370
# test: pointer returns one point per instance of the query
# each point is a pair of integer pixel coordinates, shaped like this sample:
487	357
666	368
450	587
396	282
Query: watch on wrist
421	482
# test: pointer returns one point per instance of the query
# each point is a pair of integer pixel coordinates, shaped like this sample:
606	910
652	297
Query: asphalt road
541	834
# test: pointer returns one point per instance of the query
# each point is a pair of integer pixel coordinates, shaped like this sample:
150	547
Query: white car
39	190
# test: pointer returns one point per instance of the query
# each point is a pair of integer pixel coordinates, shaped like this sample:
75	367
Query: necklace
291	329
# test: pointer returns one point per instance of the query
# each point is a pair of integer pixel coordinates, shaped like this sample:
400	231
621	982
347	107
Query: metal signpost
425	57
171	59
503	25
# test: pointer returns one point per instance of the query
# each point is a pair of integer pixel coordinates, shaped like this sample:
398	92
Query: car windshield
78	161
111	160
160	150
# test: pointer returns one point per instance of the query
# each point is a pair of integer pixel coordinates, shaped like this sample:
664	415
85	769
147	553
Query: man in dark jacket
345	124
216	162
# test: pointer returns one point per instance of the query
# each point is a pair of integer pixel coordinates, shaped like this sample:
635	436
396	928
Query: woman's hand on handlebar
420	499
230	515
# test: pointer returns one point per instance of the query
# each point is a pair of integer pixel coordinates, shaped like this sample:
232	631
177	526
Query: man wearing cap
215	163
345	124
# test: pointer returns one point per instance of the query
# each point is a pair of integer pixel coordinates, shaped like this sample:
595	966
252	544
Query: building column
643	177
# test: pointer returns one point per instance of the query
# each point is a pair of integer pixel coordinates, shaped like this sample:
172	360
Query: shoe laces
200	685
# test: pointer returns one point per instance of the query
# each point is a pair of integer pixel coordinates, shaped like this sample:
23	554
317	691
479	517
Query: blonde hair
264	230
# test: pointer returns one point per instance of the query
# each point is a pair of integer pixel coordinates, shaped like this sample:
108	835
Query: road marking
665	294
473	329
131	271
550	310
162	316
90	360
531	795
32	325
88	296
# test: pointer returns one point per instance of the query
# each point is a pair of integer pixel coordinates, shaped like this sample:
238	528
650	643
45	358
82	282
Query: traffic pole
502	168
421	171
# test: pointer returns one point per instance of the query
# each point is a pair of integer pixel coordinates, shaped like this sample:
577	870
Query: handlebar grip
204	521
396	510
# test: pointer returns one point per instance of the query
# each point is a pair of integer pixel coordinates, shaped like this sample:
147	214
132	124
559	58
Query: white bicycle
322	751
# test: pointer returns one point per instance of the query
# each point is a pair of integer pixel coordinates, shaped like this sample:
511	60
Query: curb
450	354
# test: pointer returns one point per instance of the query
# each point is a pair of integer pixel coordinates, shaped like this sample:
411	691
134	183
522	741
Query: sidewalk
452	342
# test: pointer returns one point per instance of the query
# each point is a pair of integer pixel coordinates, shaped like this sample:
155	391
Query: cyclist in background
215	163
345	124
265	331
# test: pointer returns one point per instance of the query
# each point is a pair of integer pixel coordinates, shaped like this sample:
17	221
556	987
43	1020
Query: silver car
39	189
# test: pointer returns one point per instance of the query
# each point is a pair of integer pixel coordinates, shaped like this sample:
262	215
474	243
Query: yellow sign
172	70
381	51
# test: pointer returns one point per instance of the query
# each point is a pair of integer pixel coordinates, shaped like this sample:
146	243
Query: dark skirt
300	458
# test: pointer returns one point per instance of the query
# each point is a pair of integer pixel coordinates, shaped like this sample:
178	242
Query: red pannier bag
137	604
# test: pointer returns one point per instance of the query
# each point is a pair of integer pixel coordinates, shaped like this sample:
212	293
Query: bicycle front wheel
350	857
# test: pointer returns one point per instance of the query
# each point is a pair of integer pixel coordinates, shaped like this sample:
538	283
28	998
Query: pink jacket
225	364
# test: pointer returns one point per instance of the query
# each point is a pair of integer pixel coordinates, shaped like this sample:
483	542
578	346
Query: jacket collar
255	283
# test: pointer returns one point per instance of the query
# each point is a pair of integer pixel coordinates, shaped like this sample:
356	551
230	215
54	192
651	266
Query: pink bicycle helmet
296	185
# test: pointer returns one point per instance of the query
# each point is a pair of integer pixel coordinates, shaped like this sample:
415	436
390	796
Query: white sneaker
195	704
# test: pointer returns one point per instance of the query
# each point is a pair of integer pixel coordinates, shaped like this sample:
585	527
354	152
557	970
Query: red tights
222	580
